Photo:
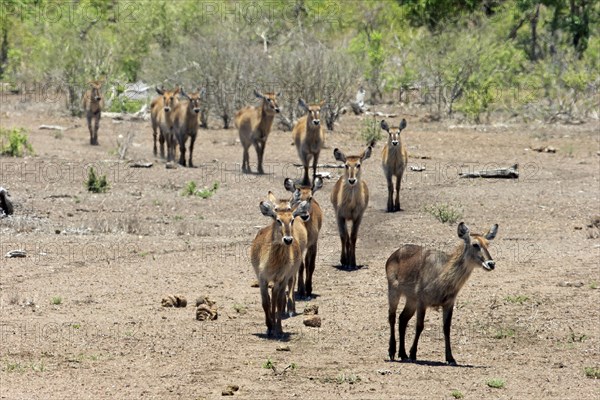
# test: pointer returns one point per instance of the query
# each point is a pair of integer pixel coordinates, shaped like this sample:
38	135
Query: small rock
313	321
230	390
16	254
283	348
311	309
206	313
204	300
570	284
255	284
174	301
171	165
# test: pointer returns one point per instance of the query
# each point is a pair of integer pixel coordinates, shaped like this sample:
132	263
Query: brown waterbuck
393	160
350	197
431	278
276	254
185	123
254	125
309	137
313	222
93	102
161	114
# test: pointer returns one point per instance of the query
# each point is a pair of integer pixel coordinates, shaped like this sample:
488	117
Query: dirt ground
81	315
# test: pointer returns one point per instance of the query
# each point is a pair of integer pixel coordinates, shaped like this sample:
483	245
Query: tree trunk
4	50
534	22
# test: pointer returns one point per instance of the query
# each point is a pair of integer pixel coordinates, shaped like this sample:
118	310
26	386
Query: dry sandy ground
532	323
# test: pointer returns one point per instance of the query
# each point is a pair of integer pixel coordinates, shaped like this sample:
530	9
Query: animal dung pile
174	301
206	309
312	319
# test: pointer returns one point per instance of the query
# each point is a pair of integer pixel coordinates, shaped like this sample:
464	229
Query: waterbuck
431	278
254	125
313	222
393	160
185	123
161	111
309	137
277	252
93	102
350	197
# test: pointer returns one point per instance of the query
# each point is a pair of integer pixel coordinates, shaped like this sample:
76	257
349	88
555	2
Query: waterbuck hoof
451	362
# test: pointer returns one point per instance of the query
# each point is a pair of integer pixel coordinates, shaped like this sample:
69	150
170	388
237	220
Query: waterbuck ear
492	232
184	94
177	90
288	184
402	124
160	91
366	154
322	103
271	197
201	91
258	94
302	104
267	209
339	155
278	94
317	184
302	210
384	125
463	232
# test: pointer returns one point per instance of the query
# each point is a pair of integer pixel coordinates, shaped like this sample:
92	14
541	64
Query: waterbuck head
393	132
476	246
283	215
95	91
170	98
302	193
194	99
313	112
352	164
269	105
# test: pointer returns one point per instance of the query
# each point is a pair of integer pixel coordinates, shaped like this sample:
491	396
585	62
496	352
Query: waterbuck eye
347	166
476	245
280	222
358	166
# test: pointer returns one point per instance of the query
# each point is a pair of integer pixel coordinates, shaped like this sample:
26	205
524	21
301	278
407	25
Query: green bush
371	132
14	142
123	104
191	189
96	184
444	213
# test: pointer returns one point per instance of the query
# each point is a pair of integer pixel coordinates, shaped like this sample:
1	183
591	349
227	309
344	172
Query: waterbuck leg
301	287
343	230
393	299
264	294
447	323
390	186
398	183
420	324
315	162
192	141
405	316
310	268
353	238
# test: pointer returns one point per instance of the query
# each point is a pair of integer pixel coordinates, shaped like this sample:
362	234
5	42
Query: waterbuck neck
266	121
457	269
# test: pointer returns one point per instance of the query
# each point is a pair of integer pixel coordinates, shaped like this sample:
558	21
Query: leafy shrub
371	132
444	212
14	142
96	184
191	189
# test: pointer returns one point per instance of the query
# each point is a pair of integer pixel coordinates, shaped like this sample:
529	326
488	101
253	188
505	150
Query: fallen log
323	165
53	127
505	173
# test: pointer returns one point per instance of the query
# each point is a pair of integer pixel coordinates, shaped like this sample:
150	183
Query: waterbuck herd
283	253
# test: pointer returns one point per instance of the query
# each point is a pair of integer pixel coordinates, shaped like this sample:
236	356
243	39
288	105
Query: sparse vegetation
504	333
518	299
96	184
14	142
592	372
240	309
349	378
457	394
371	132
56	300
444	213
576	337
191	189
268	364
593	285
495	383
17	366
